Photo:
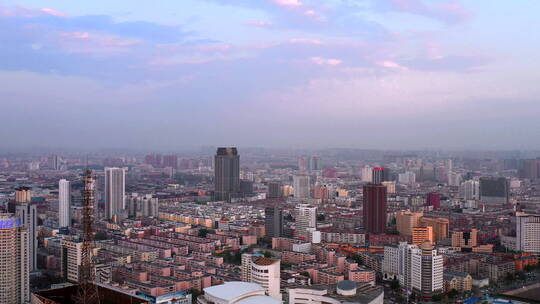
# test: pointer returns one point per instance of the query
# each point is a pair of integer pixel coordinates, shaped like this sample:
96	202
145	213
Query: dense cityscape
271	226
269	152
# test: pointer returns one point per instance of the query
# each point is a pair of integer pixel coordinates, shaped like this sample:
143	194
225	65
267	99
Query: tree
358	259
453	293
437	298
509	277
267	254
320	217
203	232
194	294
100	236
284	266
394	284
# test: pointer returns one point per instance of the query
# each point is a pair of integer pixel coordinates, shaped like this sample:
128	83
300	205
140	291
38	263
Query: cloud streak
449	12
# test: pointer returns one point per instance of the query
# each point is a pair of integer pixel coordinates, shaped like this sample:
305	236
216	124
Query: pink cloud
93	44
392	65
449	12
53	12
259	23
305	41
76	35
28	12
288	3
325	61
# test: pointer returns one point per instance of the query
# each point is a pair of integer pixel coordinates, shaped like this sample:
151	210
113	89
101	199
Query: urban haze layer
230	225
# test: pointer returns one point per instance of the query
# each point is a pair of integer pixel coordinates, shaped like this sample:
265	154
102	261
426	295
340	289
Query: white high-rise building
390	266
301	186
454	179
367	174
407	178
115	191
71	259
398	263
14	261
528	233
306	220
263	271
142	205
64	203
27	213
470	190
426	270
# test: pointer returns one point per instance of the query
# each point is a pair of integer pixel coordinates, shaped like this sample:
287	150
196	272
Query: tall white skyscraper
408	178
528	233
64	203
301	186
115	191
367	174
390	266
454	179
14	261
306	219
27	213
470	190
427	270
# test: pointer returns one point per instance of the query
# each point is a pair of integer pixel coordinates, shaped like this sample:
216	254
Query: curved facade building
236	293
344	292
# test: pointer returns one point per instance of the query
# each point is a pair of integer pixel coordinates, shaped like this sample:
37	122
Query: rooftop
262	261
107	296
233	290
259	300
346	285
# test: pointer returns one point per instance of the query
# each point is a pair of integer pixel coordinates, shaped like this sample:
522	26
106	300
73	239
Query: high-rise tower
227	174
427	270
27	213
115	191
306	219
374	210
380	175
64	203
14	261
301	184
273	221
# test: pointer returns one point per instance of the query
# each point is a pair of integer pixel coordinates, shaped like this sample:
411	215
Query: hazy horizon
368	74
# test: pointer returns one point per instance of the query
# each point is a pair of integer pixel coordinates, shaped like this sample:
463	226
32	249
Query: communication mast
88	290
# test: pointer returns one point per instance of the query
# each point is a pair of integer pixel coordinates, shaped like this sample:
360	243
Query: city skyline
275	73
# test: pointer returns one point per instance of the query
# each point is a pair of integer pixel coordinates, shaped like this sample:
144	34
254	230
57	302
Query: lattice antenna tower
88	290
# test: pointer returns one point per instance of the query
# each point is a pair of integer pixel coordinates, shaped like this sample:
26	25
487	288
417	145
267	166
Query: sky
165	75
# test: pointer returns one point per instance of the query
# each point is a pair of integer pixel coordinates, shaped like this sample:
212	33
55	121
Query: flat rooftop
65	296
527	294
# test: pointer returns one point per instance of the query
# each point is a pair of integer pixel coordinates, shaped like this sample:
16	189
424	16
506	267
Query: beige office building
422	234
71	259
406	221
440	226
